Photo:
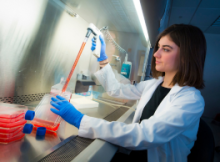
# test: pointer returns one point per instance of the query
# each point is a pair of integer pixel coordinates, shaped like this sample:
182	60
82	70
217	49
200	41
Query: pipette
91	29
74	65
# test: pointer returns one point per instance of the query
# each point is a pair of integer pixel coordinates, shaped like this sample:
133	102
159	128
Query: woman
167	117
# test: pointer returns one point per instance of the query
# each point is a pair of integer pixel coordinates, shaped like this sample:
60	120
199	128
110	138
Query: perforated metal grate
23	98
70	150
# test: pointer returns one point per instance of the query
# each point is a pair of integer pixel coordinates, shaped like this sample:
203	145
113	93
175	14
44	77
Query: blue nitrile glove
66	110
103	55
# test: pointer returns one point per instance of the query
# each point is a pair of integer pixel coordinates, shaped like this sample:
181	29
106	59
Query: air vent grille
23	98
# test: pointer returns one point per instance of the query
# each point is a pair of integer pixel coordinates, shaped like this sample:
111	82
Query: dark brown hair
192	44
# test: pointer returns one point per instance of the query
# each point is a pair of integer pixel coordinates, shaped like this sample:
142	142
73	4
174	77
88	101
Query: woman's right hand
103	55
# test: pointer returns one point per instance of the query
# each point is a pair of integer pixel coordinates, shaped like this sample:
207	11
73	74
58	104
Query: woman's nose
157	53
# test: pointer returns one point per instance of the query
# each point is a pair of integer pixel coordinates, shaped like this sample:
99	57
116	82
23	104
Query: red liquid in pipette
73	67
44	123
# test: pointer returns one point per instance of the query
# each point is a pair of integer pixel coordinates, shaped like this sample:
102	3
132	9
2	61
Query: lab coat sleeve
121	78
180	114
113	88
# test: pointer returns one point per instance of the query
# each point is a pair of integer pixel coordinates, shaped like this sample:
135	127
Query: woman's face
167	56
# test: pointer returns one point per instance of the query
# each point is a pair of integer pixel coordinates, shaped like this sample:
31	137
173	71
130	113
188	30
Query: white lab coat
168	135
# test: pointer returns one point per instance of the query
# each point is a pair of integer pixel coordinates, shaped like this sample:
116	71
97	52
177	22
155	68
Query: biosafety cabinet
39	42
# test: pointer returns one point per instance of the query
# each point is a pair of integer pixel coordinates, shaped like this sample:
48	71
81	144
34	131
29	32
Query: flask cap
27	128
29	115
41	131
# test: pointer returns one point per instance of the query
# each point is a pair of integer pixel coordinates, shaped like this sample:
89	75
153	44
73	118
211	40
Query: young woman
167	117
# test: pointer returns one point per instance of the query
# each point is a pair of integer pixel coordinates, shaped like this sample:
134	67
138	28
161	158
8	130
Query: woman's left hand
66	110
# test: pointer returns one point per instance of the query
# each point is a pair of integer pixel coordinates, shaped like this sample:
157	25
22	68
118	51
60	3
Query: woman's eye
166	50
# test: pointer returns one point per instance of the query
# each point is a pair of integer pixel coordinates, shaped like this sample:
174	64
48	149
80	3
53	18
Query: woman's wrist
103	63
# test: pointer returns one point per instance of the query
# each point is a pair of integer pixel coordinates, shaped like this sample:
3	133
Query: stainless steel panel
119	15
39	42
39	46
97	151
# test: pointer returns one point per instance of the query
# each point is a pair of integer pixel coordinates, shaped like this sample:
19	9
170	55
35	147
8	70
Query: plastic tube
74	65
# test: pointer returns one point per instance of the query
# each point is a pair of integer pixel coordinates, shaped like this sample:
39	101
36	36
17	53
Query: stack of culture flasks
13	119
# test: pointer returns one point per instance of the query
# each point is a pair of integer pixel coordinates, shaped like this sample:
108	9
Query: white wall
211	92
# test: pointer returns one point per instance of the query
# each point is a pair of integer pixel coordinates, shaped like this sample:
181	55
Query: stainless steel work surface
30	147
83	149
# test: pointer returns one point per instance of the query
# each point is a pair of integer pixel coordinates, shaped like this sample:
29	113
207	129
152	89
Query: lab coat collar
176	88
